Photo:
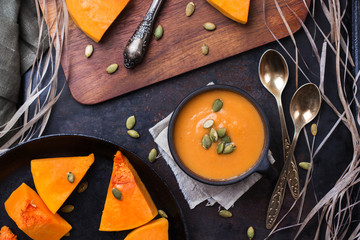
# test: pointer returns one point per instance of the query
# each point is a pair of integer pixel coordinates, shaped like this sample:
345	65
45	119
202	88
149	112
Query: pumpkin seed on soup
208	123
220	147
213	135
162	213
117	194
226	139
221	132
217	105
229	148
206	141
225	213
70	177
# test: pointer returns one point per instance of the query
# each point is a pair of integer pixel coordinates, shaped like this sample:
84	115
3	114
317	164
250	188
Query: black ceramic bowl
262	166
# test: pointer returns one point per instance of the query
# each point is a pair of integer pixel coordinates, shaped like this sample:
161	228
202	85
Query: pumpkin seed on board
217	105
152	155
225	213
67	209
82	187
117	194
213	135
70	177
209	26
159	31
205	49
208	123
112	68
229	148
206	141
133	134
190	8
162	213
221	132
305	165
130	122
89	50
314	129
250	233
220	147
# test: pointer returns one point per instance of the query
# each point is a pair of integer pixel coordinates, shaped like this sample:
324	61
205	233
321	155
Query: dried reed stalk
335	209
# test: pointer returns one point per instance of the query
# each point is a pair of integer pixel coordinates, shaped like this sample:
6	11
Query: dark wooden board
177	52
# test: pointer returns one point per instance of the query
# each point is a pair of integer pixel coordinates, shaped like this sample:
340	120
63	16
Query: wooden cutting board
177	52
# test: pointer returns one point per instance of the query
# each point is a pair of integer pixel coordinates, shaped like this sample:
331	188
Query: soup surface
243	125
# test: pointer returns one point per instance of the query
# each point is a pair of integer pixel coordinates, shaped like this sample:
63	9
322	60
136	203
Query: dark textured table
153	103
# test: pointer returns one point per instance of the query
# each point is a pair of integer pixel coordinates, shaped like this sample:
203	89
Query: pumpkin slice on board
51	177
134	207
6	234
237	10
95	17
157	229
33	217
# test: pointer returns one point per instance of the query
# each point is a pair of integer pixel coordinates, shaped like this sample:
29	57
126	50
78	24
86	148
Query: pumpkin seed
226	139
89	50
70	177
130	122
314	129
82	187
67	234
217	105
221	132
133	134
206	141
225	213
209	26
305	165
159	31
190	8
162	213
205	49
112	68
250	233
208	123
220	147
213	135
33	204
229	148
117	194
152	155
67	209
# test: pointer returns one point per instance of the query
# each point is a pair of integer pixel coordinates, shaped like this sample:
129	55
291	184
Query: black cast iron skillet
262	166
85	219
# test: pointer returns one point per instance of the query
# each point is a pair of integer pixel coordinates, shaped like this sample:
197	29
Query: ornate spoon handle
137	45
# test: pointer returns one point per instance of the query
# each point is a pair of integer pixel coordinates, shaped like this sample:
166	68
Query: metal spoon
304	106
274	74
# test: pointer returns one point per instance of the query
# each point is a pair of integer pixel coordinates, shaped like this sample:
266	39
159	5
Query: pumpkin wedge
51	177
237	10
95	17
6	234
135	207
33	217
157	229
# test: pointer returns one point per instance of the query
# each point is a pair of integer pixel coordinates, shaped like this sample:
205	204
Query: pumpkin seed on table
213	135
117	194
162	213
314	129
67	209
250	233
209	26
67	234
152	155
220	147
190	8
130	122
205	49
305	165
89	50
133	134
82	187
112	68
208	123
159	31
225	213
206	141
217	105
70	177
229	148
221	132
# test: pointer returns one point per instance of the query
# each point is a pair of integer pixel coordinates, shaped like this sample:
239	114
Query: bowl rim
263	156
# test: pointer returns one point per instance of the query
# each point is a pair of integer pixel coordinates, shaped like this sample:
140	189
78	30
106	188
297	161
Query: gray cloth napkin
194	191
18	45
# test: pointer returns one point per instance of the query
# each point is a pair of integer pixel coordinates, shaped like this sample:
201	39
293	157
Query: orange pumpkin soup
243	125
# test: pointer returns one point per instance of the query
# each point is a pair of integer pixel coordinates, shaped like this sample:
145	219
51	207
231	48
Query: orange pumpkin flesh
50	177
33	217
136	206
6	234
157	229
237	10
95	17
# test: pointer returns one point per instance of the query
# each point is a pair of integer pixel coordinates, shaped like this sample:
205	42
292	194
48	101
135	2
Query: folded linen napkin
194	191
